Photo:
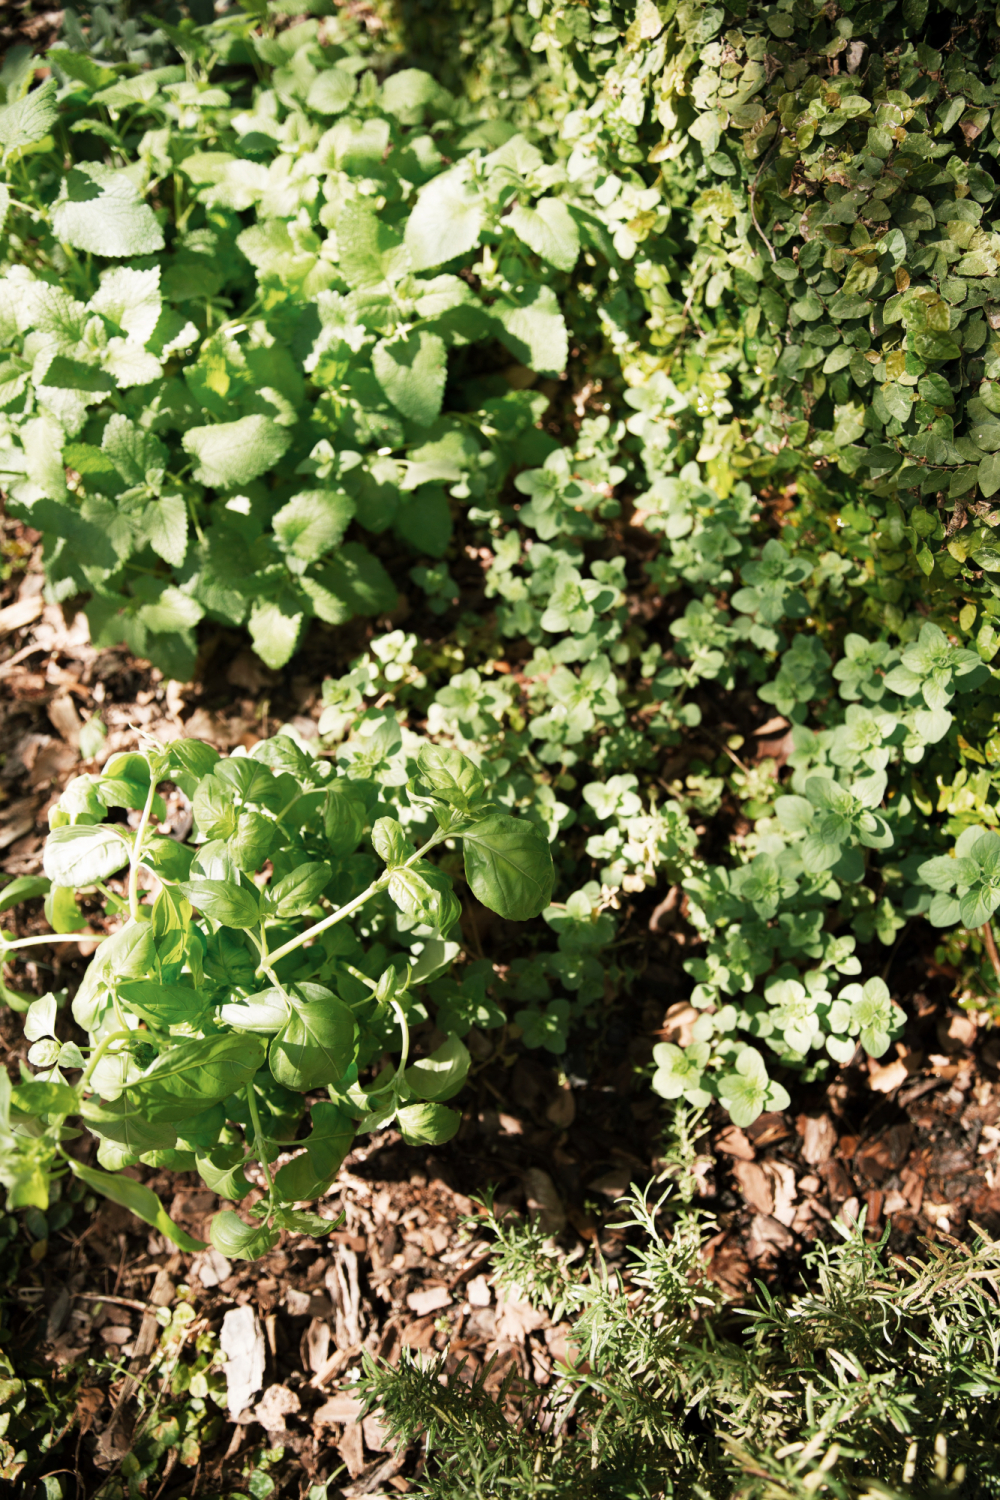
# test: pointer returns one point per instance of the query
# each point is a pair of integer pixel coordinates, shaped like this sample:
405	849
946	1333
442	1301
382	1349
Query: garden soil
911	1140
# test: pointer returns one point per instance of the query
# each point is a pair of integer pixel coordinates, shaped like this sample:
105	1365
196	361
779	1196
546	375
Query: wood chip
352	1449
732	1142
317	1345
433	1299
755	1185
515	1320
16	616
242	1342
339	1408
819	1138
336	1365
544	1203
17	819
767	1236
65	719
274	1406
478	1292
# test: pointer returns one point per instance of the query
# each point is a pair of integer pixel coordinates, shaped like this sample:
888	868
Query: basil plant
258	969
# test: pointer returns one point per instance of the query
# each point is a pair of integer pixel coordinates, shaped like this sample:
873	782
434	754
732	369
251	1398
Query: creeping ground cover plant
259	970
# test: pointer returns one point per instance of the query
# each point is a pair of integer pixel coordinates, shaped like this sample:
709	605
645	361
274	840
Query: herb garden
499	634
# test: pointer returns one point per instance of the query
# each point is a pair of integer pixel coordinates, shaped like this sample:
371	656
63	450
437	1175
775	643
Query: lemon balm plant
281	955
245	302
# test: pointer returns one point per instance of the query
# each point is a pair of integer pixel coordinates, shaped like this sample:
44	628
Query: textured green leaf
26	120
445	223
412	371
275	631
165	523
101	211
989	475
331	91
233	453
79	66
534	329
549	229
312	523
350	582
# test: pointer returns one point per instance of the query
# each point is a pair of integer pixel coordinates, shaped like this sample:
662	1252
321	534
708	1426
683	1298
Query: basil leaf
266	1012
24	888
192	1075
450	775
37	1097
221	1169
129	953
317	1044
227	903
508	865
162	1005
139	1200
239	1241
296	892
344	817
79	856
122	1121
442	1074
428	1124
310	1174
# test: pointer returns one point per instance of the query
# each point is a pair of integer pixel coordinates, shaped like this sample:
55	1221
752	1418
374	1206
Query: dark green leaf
509	867
192	1075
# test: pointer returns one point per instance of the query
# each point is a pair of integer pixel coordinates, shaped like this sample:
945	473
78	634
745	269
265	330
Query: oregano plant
253	974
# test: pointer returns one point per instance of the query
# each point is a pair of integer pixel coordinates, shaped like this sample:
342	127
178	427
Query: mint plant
199	400
281	951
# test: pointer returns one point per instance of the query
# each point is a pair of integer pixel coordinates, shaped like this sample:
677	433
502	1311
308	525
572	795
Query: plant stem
258	1135
404	1028
54	937
991	947
136	856
102	1047
314	931
352	906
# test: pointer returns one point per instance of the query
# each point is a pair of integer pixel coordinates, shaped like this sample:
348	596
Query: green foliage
759	243
879	1379
234	289
800	305
208	1018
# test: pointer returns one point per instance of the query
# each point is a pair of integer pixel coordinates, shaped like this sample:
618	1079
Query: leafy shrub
879	1380
229	310
214	1009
